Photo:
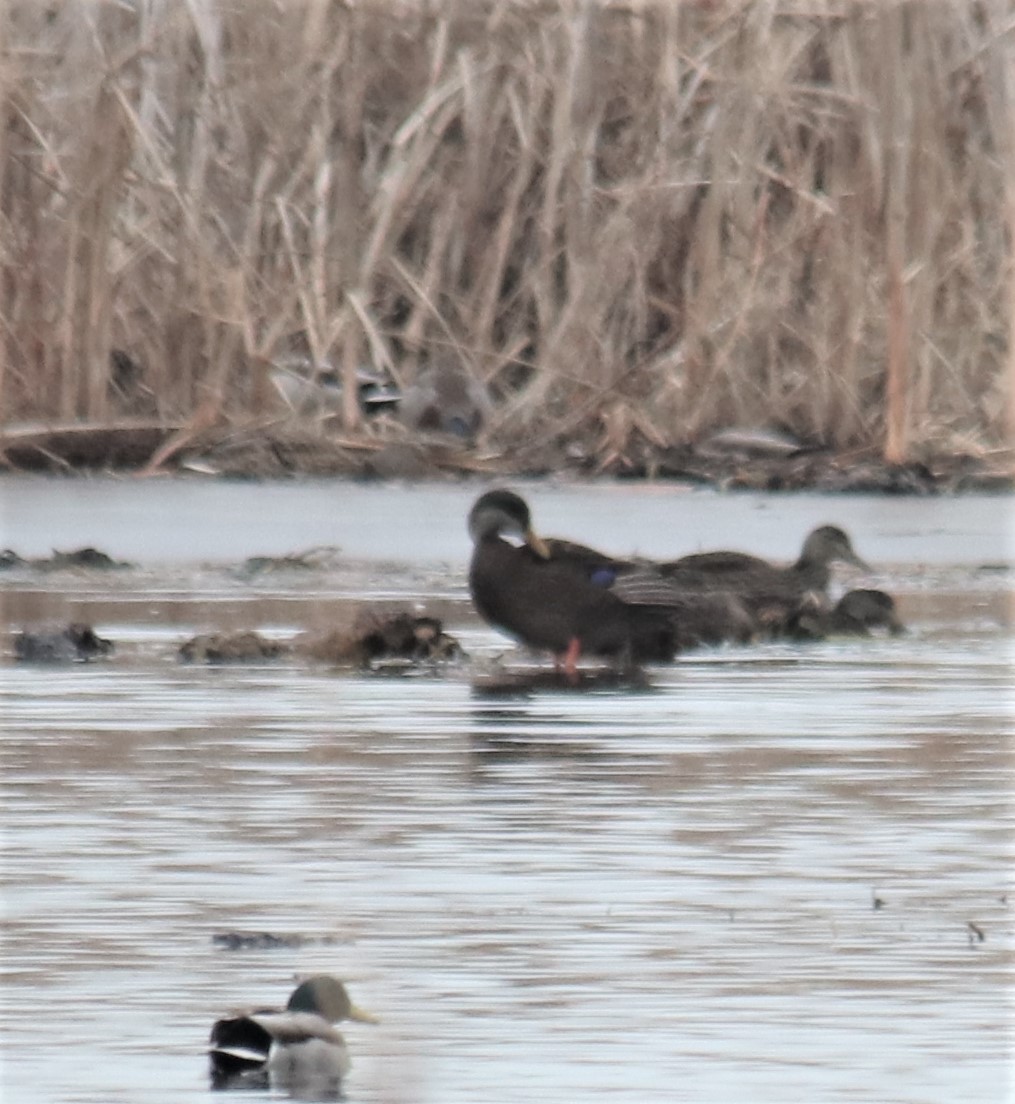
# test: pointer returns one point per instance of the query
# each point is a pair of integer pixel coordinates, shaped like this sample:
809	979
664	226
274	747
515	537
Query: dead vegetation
637	222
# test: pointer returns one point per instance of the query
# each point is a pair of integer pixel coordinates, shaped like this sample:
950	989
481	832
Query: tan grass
646	219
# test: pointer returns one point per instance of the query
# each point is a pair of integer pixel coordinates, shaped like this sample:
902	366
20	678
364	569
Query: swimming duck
296	1049
772	594
445	398
549	604
859	611
741	572
856	613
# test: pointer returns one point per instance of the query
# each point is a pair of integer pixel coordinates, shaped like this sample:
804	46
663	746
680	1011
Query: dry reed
644	219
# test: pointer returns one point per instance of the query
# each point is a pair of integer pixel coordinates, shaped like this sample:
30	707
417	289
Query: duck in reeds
297	1049
310	390
549	603
445	398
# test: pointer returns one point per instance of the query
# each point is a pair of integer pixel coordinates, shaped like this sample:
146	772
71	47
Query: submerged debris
237	647
375	637
77	643
261	941
90	558
378	636
314	559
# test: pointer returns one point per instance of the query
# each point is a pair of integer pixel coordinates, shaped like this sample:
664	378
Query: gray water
636	893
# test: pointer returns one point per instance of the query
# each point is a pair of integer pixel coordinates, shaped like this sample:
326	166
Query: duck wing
238	1051
721	563
548	603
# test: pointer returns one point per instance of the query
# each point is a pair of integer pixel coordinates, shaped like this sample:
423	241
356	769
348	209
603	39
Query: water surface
752	878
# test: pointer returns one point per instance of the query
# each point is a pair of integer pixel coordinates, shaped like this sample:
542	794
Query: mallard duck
311	390
445	398
548	603
297	1048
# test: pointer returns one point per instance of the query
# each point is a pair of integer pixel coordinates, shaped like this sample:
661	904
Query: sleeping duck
297	1048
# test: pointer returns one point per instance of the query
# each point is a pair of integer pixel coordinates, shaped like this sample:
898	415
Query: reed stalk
638	222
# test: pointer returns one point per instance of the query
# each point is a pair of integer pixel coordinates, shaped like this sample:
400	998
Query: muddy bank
731	460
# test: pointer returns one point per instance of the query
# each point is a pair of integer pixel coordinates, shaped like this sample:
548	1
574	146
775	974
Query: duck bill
360	1016
854	559
537	544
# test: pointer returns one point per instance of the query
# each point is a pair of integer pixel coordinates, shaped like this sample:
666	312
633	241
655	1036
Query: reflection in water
759	877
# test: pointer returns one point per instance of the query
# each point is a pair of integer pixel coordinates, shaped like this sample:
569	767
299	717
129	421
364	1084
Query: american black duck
297	1048
773	595
857	613
697	617
547	602
740	572
712	617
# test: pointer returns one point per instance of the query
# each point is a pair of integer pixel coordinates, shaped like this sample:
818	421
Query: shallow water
642	893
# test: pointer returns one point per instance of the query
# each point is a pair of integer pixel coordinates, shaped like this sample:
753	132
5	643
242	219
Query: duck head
830	544
326	997
501	513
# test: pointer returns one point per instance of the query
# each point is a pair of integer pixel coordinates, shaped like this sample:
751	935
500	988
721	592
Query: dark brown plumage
857	613
741	572
705	616
773	595
548	603
696	617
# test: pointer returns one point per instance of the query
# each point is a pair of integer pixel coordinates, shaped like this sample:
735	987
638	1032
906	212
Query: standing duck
298	1048
548	603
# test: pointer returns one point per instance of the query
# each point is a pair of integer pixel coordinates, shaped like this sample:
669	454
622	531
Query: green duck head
327	997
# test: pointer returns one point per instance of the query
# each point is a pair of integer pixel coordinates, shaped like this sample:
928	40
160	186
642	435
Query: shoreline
746	460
